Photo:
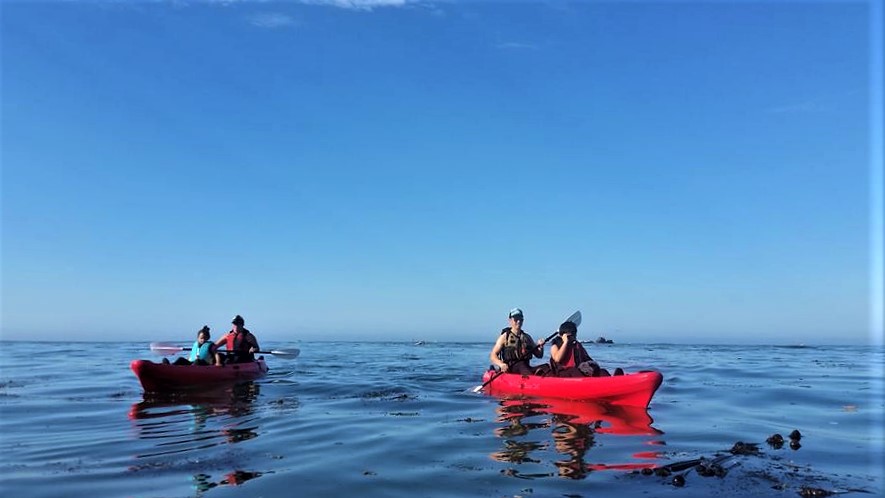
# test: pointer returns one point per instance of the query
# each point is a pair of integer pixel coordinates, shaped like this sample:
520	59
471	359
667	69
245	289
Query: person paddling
240	342
514	347
568	358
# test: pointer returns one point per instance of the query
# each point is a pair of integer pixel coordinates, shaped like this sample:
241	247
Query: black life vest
515	346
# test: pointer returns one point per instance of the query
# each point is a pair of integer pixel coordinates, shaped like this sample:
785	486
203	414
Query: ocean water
400	419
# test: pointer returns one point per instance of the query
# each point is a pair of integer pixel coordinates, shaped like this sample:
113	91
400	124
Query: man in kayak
568	358
515	347
202	352
241	344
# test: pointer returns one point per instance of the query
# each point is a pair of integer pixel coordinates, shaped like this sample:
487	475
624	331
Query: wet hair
238	320
204	330
568	328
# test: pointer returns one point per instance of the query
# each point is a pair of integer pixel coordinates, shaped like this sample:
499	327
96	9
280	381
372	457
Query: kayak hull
634	389
160	377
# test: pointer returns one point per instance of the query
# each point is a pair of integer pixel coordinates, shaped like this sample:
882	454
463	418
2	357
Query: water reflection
574	426
573	441
204	482
183	422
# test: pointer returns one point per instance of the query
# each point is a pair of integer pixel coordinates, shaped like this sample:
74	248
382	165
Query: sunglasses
516	318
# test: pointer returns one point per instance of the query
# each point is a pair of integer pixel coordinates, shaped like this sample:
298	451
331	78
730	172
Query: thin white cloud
802	107
344	4
271	20
359	4
516	46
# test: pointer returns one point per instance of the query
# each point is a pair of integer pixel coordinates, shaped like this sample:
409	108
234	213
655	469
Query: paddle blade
165	348
287	354
575	318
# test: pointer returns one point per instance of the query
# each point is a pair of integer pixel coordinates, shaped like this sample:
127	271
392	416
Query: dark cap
238	320
568	328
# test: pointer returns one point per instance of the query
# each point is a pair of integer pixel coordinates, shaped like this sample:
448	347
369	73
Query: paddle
575	318
165	348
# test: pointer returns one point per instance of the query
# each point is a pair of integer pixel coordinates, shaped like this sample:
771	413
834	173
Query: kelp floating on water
781	475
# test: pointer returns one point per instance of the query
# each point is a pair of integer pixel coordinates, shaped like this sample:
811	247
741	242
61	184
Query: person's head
516	316
238	322
568	328
203	334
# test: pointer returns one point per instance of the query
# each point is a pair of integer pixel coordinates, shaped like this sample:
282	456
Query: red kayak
635	389
156	377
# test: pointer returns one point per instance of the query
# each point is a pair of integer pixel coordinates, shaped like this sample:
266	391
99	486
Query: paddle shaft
165	349
284	354
523	358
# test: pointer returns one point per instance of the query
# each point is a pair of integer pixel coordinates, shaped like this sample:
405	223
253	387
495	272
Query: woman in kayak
241	344
568	358
514	347
203	351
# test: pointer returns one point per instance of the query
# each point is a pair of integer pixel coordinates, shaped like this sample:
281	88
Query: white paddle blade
292	353
165	348
575	318
477	389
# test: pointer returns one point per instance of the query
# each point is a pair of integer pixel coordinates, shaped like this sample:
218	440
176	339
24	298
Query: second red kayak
634	389
158	377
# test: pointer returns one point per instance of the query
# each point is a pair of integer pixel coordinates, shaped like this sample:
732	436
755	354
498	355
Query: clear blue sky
679	171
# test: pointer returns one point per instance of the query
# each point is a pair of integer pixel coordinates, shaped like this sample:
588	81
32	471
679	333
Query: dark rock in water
679	481
776	441
794	444
647	471
806	492
603	340
742	448
795	435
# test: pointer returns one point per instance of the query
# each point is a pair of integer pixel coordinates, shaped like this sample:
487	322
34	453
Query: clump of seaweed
718	466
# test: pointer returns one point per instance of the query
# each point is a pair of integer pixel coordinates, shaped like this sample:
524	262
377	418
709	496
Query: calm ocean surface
399	419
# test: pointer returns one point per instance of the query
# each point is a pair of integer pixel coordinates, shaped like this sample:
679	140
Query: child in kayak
514	347
202	352
568	358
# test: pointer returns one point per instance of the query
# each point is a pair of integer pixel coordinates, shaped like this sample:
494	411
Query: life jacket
578	354
237	344
200	352
515	346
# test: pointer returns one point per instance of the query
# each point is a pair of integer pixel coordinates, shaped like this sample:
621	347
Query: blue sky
679	171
